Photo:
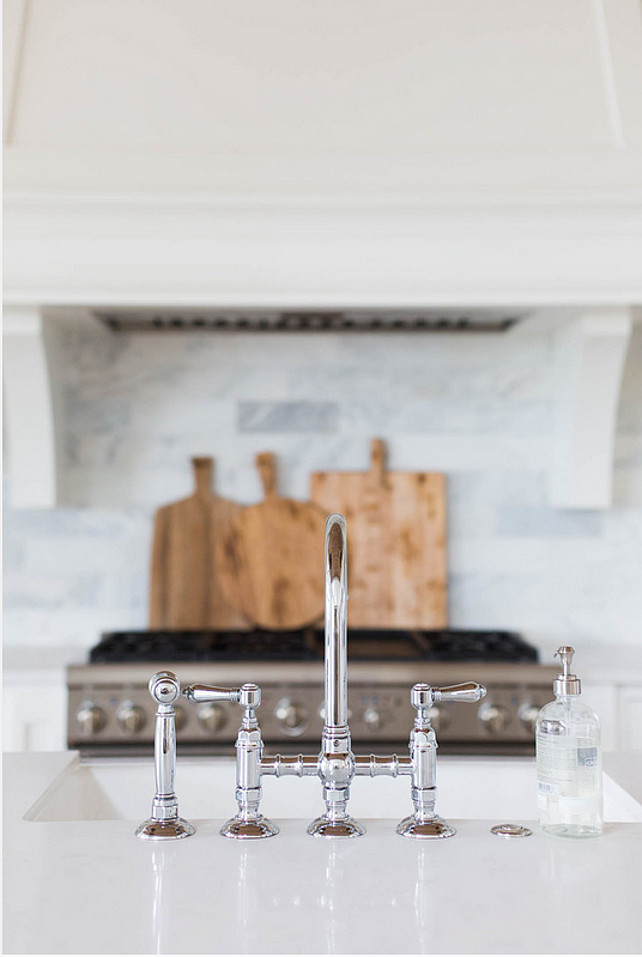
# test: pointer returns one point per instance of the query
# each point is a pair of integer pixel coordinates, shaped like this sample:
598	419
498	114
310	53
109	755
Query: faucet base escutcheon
152	830
249	830
348	827
434	828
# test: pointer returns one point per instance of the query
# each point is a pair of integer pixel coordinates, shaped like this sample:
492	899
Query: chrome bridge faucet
335	765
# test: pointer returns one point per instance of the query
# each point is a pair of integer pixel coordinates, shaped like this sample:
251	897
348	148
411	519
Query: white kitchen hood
452	166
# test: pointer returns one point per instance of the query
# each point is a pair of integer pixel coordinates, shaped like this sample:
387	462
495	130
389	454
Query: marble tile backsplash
136	407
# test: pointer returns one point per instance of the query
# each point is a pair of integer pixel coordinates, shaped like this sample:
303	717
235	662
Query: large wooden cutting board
185	587
271	559
396	524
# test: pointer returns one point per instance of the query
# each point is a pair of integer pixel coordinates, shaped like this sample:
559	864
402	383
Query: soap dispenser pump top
566	683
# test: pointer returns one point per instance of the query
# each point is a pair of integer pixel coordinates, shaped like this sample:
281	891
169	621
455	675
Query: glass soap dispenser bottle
569	759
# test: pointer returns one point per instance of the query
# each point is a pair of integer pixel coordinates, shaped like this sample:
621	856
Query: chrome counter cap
511	830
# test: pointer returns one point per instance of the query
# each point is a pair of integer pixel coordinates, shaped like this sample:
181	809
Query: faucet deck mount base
348	827
249	830
432	829
152	830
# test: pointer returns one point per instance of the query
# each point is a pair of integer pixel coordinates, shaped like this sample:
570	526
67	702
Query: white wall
479	407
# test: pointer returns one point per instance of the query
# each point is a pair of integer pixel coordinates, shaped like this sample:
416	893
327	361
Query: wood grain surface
396	525
185	589
271	559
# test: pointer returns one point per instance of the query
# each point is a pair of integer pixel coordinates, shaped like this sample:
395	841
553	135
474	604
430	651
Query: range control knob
212	716
131	718
372	719
439	717
527	714
91	719
494	717
292	716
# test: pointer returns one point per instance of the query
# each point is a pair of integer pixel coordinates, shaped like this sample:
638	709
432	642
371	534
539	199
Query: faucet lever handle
423	696
201	692
467	691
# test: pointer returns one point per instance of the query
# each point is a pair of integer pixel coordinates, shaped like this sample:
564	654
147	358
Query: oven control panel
119	717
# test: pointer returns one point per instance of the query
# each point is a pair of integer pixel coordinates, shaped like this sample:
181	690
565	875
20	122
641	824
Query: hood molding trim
321	252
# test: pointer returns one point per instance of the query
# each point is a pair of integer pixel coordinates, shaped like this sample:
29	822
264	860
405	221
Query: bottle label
587	757
546	790
557	761
568	778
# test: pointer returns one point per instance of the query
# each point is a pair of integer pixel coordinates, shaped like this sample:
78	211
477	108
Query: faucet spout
336	642
336	762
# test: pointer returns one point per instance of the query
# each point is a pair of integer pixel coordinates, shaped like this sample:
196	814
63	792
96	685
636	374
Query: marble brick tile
479	407
300	416
55	589
545	522
448	416
468	451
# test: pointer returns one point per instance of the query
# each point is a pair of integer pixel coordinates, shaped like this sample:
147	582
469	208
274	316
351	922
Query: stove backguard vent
309	320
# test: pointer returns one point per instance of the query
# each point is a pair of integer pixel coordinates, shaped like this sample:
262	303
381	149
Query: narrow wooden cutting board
396	524
185	587
271	559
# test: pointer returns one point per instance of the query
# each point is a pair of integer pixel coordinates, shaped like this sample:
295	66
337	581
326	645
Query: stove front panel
110	708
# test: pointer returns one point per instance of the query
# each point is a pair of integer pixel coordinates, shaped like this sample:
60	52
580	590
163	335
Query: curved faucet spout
336	764
336	642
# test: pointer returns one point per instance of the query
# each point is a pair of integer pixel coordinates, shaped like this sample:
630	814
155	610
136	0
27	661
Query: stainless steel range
111	711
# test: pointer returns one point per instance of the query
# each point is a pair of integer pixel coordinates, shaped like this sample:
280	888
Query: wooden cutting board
185	588
396	524
271	559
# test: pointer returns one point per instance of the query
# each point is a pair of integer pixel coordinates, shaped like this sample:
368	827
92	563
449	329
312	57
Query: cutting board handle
203	466
378	456
266	464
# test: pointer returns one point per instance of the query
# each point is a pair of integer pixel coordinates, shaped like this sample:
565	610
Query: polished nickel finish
511	830
336	760
164	823
424	823
335	764
249	823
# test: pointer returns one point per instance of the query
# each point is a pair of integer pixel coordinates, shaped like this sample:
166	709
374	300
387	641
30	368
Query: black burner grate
122	646
307	645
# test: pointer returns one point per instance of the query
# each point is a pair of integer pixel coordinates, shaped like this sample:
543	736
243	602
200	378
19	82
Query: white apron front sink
501	789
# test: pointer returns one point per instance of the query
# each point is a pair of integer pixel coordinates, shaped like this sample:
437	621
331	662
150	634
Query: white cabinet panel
34	712
603	699
631	717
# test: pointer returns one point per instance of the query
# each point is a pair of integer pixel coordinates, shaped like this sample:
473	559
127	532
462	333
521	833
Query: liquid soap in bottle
569	759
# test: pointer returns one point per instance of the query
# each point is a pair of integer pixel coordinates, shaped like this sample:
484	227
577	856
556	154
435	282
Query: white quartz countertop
91	887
